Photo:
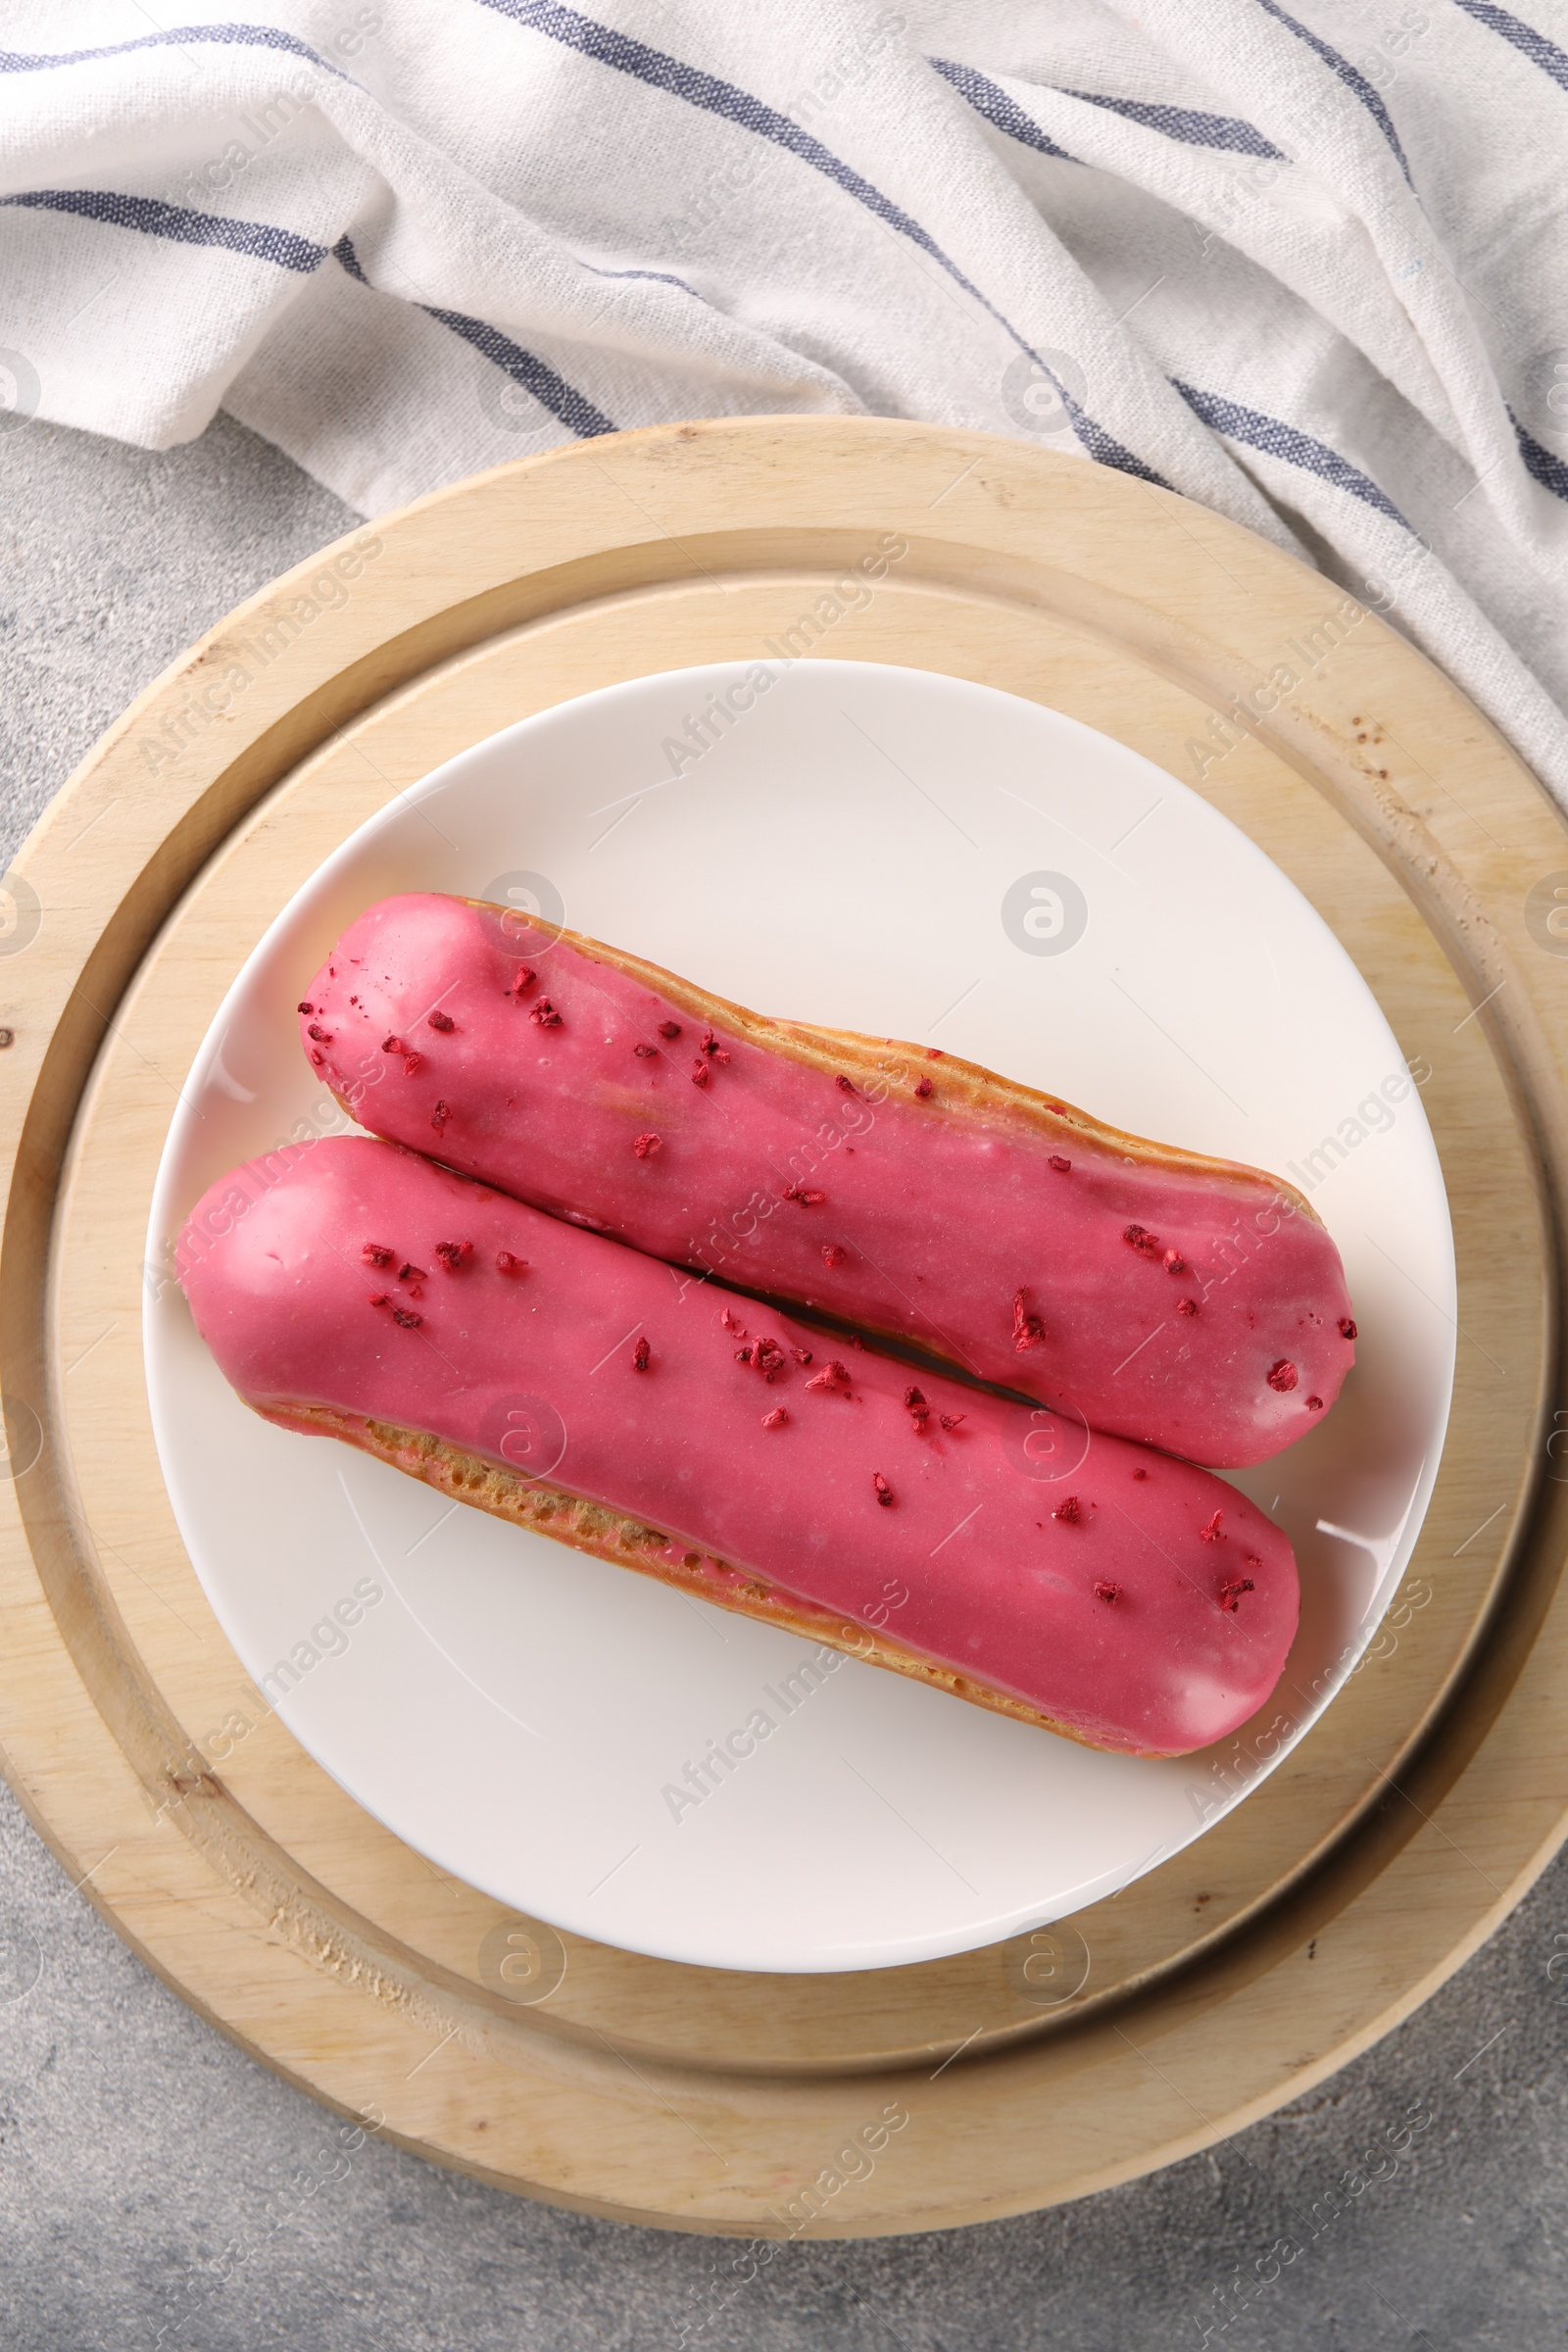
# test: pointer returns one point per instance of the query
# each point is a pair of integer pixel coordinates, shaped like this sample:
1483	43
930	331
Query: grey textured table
154	2179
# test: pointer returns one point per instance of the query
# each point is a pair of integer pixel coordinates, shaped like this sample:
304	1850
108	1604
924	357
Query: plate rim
1500	1719
464	767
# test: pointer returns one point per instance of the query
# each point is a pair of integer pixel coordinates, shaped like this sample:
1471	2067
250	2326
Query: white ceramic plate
874	848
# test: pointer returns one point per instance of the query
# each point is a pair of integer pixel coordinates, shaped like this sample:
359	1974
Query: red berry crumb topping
1028	1330
1283	1376
884	1493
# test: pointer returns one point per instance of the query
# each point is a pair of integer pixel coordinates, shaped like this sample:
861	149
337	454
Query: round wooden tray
1390	1841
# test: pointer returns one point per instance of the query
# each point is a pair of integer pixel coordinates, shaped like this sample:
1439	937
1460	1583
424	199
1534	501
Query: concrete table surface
159	2188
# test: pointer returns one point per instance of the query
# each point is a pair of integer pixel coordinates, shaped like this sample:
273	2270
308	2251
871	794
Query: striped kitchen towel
1305	264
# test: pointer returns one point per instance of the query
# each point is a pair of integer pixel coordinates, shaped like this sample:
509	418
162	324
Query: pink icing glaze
1221	1330
976	1561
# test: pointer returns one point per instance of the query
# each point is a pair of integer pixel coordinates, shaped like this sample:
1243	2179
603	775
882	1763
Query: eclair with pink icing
1188	1302
568	1384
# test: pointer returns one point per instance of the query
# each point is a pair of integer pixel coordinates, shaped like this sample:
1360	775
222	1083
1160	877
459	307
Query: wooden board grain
1384	1848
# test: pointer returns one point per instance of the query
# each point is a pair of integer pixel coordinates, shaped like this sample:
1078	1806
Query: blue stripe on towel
996	107
249	36
1541	464
1187	124
1348	75
155	218
573	409
1182	122
1525	38
625	55
1277	439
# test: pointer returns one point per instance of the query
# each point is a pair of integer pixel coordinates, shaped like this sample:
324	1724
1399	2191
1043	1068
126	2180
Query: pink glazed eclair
1188	1303
571	1384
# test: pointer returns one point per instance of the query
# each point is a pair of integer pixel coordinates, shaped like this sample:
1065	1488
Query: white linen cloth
1302	262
